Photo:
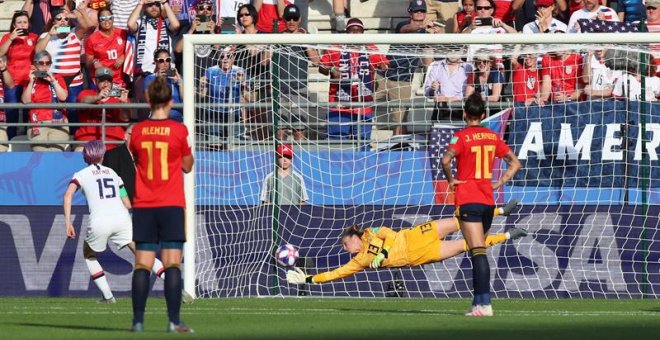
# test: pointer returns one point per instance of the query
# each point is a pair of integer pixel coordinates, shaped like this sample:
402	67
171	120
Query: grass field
308	318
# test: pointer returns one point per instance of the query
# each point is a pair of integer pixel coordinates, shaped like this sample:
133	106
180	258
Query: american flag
602	26
438	142
129	56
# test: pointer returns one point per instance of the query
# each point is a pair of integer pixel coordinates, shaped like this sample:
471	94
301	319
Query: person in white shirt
109	216
592	10
545	22
597	76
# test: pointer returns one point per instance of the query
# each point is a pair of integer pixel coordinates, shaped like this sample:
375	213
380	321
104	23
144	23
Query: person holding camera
18	47
45	87
163	62
104	93
485	23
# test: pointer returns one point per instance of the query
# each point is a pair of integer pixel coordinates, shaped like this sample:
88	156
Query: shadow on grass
72	327
400	311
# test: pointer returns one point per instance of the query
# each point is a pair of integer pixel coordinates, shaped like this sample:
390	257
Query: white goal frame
328	39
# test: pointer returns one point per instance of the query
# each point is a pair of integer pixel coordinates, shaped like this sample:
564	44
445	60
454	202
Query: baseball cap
284	150
417	5
103	73
546	3
291	11
653	3
354	22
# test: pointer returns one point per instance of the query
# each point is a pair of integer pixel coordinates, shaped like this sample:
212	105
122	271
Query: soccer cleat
180	328
516	233
480	310
509	207
137	327
186	297
109	301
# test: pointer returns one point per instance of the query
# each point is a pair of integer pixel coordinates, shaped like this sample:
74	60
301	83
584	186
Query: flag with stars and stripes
602	26
438	142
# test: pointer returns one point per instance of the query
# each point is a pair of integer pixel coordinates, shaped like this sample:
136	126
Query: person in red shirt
525	77
104	94
18	46
5	81
105	47
561	74
475	148
161	150
45	87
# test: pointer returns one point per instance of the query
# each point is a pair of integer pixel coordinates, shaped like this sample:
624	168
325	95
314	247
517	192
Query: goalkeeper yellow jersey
408	247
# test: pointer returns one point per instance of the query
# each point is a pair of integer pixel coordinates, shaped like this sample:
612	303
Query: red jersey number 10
483	155
161	148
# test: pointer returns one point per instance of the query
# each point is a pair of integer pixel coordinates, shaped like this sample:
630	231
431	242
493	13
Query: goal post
593	214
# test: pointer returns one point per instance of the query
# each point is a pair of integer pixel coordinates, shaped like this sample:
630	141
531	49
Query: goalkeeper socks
98	276
140	293
158	269
491	240
480	276
173	286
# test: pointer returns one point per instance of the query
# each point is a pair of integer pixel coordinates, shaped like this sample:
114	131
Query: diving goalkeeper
384	247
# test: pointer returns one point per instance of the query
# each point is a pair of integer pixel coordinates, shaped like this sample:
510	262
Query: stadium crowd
98	51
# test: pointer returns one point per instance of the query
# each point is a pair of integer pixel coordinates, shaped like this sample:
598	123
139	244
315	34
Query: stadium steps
7	9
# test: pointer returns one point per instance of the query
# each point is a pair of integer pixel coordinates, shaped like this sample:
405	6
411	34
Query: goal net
363	121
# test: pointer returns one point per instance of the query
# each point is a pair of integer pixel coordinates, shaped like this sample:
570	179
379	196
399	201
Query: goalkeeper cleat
186	297
180	328
137	327
509	207
480	310
516	233
109	301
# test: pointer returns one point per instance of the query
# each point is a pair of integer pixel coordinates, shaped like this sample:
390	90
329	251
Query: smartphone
114	93
22	32
40	74
63	29
483	21
203	24
439	24
171	72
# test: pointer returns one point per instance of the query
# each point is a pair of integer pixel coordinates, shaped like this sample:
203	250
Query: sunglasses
240	15
651	8
481	61
61	19
204	8
483	8
106	17
163	60
291	19
157	4
44	63
226	56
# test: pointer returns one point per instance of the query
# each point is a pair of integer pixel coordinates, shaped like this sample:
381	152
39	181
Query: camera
483	21
22	32
114	93
203	24
170	72
63	29
40	74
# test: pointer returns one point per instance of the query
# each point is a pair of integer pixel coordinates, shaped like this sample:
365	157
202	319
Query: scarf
356	82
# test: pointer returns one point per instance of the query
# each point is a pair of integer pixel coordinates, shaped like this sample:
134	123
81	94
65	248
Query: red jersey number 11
483	156
161	148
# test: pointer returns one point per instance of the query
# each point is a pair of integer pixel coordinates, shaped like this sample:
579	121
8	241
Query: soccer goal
589	189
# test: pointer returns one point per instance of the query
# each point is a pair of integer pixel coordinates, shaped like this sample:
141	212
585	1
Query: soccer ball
286	255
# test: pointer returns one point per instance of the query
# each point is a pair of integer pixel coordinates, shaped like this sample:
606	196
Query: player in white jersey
109	215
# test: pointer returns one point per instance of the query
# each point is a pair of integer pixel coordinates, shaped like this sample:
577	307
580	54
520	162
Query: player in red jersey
161	150
475	149
105	47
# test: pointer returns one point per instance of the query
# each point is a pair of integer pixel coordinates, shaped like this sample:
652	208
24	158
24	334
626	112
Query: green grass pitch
310	318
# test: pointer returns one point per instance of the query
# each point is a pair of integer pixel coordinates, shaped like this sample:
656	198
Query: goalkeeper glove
296	276
378	259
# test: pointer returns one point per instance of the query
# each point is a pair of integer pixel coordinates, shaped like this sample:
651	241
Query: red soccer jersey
107	49
564	72
525	83
476	148
44	92
112	133
159	147
19	57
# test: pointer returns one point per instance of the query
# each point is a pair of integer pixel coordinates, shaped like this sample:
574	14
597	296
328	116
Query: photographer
164	68
104	94
44	87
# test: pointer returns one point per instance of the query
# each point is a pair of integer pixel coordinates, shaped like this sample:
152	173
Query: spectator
291	188
292	67
225	83
592	10
526	80
227	14
64	43
205	55
106	47
597	77
494	25
545	22
487	81
18	46
6	81
448	81
44	87
442	11
122	10
103	94
629	83
653	25
631	10
561	74
121	161
39	12
351	81
152	32
164	69
463	18
504	10
527	11
396	81
269	14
